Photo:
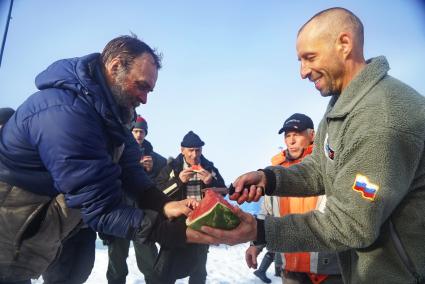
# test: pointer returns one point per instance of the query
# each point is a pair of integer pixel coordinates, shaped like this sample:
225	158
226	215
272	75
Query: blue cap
191	140
297	122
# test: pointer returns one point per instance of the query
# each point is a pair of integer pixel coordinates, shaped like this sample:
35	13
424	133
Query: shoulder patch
365	187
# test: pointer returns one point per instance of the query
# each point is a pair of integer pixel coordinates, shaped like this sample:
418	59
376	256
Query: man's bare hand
185	175
251	255
197	237
249	187
174	209
205	176
147	163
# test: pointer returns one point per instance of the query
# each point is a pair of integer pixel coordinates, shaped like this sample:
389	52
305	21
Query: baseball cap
297	122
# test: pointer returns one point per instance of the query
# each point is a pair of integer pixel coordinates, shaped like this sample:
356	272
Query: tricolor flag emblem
363	185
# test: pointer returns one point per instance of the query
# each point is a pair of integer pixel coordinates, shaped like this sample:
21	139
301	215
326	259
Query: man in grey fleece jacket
368	159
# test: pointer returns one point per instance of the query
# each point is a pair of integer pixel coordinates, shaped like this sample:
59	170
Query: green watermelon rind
219	216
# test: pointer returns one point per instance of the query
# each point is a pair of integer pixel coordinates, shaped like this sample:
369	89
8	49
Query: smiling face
320	60
130	88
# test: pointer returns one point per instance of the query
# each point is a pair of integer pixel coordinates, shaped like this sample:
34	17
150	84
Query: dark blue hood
74	74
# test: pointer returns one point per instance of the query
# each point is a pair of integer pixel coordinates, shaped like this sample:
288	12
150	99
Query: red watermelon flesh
213	211
196	168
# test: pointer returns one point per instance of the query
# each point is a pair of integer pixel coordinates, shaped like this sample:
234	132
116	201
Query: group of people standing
69	163
177	180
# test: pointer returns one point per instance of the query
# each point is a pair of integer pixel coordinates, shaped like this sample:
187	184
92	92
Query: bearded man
68	156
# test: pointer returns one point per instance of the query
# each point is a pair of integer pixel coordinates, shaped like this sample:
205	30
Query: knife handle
231	189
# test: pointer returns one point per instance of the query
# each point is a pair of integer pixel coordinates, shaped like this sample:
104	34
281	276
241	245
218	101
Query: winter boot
278	264
277	270
265	263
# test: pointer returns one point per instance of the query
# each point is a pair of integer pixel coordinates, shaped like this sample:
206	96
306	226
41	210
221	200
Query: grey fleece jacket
369	160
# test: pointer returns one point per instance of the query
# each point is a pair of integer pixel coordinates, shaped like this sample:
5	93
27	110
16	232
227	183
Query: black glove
261	233
157	228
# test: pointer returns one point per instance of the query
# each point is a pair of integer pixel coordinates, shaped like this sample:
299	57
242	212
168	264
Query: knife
222	190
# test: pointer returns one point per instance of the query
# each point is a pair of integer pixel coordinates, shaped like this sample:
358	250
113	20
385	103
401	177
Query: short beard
329	93
122	98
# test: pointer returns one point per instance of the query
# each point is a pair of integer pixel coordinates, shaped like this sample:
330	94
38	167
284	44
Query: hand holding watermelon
205	176
186	174
174	209
246	231
213	211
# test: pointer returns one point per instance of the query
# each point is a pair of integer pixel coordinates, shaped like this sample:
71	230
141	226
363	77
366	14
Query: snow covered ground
226	265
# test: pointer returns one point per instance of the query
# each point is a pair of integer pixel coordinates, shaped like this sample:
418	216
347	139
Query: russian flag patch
367	189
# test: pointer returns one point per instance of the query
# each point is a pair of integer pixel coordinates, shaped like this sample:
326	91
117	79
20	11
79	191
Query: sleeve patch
365	187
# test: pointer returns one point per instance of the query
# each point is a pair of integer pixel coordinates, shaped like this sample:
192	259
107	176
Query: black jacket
158	161
168	180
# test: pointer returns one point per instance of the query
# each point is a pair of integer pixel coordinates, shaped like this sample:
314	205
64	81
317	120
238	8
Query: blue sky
230	71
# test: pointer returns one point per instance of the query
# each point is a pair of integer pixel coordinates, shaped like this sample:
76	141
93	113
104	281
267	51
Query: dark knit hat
191	140
297	122
141	123
5	114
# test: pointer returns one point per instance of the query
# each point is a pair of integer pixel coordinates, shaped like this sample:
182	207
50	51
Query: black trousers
75	261
179	263
118	253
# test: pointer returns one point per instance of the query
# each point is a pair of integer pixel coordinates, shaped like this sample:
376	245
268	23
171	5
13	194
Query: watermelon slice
196	168
213	211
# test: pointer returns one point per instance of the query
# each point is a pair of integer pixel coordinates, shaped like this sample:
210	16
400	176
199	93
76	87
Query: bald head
330	23
330	50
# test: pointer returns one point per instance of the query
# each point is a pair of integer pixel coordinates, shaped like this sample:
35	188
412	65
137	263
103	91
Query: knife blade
222	190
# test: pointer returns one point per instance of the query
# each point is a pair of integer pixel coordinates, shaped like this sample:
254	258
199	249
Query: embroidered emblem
363	185
329	152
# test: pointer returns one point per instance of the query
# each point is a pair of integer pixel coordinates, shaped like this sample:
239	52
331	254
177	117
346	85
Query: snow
225	265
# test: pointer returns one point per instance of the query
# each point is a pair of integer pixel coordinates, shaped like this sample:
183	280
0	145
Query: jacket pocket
31	226
34	228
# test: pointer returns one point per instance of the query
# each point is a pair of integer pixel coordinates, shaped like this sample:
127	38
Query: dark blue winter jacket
62	139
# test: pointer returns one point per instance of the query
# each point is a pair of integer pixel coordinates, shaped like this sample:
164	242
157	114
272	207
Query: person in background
368	159
298	267
67	157
146	253
5	114
269	206
152	162
179	180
